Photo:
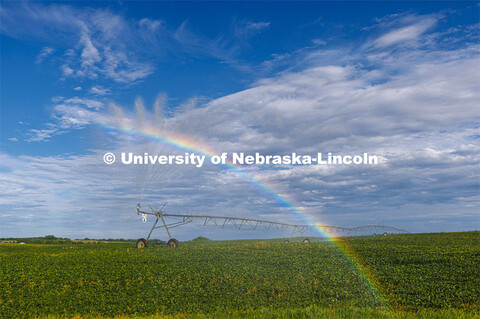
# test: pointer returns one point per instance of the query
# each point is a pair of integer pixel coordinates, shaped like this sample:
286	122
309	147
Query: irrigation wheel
141	243
306	241
172	243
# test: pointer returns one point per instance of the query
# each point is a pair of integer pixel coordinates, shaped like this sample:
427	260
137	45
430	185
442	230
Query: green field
416	275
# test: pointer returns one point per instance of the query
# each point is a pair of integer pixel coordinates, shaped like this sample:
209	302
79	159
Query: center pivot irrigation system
249	224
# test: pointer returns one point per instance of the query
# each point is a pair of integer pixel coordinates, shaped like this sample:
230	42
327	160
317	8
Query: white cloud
154	25
90	55
66	70
257	25
56	99
98	90
245	29
72	116
41	135
77	88
316	105
44	53
406	33
89	103
13	139
198	45
91	38
72	113
319	42
102	44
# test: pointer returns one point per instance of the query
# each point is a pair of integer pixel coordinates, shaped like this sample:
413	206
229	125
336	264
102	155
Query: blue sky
397	79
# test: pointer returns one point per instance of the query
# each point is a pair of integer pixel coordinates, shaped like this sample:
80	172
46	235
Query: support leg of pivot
165	225
152	229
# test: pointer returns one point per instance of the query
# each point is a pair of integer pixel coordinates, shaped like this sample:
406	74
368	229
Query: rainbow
183	143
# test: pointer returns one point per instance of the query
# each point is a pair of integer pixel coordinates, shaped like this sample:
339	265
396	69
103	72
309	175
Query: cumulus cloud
98	90
333	103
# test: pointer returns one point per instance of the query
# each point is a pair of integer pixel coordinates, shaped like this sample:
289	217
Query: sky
399	80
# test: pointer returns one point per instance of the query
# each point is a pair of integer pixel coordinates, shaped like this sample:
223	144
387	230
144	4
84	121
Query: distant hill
201	238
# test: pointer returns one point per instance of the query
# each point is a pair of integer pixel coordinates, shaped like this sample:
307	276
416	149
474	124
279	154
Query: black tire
306	241
141	243
172	243
286	241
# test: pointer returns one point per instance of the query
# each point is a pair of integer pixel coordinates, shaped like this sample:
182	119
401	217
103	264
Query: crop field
397	276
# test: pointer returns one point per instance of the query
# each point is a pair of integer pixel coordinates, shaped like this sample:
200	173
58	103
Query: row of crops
413	272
